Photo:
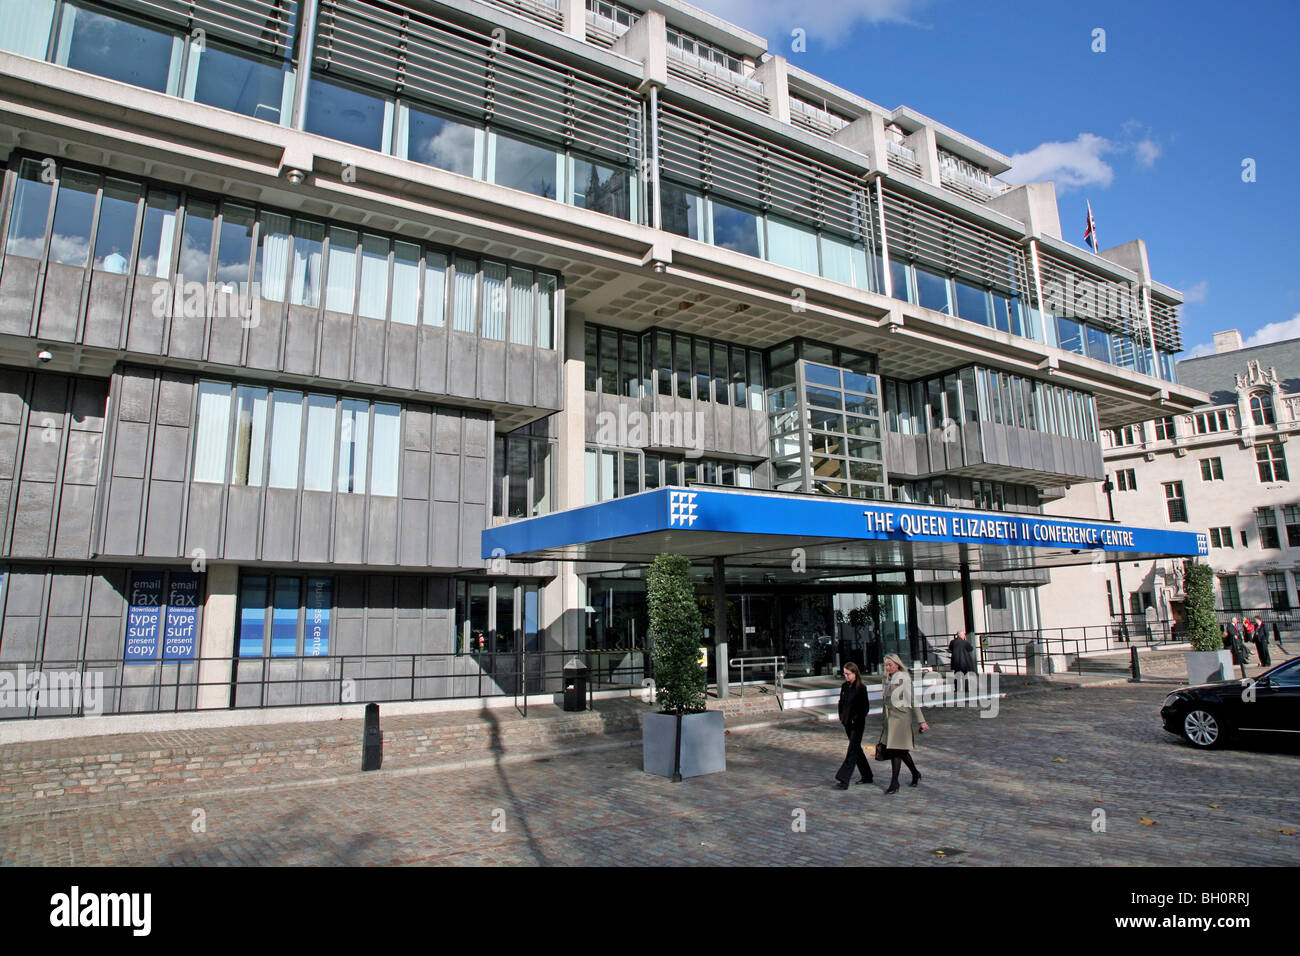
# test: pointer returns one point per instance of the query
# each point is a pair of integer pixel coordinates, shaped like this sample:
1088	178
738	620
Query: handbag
879	753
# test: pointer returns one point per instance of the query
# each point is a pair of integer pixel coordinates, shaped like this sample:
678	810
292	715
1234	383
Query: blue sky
1153	131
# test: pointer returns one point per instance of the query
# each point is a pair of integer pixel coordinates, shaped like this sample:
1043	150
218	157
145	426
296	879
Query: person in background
961	654
1260	636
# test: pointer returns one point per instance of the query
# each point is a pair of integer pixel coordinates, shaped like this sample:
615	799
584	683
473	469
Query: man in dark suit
1260	637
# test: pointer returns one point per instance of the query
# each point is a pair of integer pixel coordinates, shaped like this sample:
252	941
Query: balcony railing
817	120
904	157
713	76
545	12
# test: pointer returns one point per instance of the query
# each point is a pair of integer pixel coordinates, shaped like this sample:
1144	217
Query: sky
1153	121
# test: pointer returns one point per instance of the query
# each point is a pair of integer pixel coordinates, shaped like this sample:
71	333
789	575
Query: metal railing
1078	650
775	664
90	687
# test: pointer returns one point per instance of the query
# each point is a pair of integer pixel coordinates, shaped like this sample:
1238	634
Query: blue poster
143	617
284	618
181	637
316	642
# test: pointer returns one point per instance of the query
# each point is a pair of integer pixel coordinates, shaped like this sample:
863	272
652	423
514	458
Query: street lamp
1109	487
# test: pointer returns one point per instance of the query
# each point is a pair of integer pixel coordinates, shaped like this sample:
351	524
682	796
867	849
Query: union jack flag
1090	232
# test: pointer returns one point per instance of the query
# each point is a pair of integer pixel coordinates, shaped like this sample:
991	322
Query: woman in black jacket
854	705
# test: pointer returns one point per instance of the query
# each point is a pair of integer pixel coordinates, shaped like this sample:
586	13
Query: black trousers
855	756
1262	648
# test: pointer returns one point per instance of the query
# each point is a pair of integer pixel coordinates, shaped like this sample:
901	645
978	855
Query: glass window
521	306
341	274
541	471
1261	409
1175	503
650	472
158	234
1278	594
972	303
664	362
117	50
274	246
304	288
602	188
373	300
240	84
899	277
1229	596
466	297
27	26
31	212
608	463
793	245
1070	335
682	348
1291	516
318	462
546	285
721	394
354	435
250	435
435	288
344	114
736	229
212	432
74	209
284	618
932	291
386	459
1211	469
494	301
445	143
1098	344
406	283
591	489
683	211
286	438
609	361
117	214
526	166
1271	460
253	594
629	381
196	242
755	380
234	245
738	376
1006	314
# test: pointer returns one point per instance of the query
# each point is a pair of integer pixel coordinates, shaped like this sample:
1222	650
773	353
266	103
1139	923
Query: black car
1208	714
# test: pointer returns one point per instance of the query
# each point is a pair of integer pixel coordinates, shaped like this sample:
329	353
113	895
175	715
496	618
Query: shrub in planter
1207	660
685	739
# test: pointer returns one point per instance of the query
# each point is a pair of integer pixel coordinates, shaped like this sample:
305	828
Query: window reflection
438	141
73	211
116	49
117	212
601	188
236	83
524	166
344	114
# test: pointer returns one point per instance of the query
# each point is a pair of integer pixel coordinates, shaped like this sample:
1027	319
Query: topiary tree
1202	626
678	632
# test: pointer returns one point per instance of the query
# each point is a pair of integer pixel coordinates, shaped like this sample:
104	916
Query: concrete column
574	13
1034	204
306	53
775	77
217	640
647	42
866	135
967	604
927	153
720	626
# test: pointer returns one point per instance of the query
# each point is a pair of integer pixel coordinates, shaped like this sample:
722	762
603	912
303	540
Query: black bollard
372	748
1136	664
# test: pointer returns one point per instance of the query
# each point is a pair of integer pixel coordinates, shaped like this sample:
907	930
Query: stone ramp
80	771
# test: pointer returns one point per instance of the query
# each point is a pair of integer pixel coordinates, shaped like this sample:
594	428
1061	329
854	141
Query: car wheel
1202	728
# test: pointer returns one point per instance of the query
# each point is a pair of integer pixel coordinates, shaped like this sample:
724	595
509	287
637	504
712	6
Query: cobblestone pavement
1021	788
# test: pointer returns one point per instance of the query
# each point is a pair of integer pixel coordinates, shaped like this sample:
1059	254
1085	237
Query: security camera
296	176
45	355
660	267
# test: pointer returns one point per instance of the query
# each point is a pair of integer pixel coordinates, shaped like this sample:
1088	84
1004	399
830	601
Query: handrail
777	663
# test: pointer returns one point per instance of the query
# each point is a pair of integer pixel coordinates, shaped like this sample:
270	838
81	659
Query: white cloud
1276	332
1198	293
828	22
1148	151
1069	165
1266	335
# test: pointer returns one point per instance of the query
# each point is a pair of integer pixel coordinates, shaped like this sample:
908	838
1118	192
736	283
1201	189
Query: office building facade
299	298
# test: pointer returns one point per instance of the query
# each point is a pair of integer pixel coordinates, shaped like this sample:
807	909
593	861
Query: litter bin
575	685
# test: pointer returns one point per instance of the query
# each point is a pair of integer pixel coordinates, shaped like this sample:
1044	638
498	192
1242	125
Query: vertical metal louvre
266	26
403	52
723	160
935	238
1166	325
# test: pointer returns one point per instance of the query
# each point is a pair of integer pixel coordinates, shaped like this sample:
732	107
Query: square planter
704	748
1206	667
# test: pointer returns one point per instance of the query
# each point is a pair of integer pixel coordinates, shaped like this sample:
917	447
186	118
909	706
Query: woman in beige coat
900	712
